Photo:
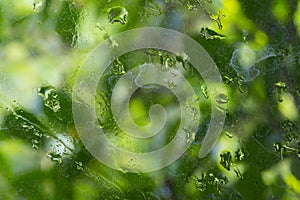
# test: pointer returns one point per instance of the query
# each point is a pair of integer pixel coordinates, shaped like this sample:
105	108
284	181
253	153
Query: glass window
156	99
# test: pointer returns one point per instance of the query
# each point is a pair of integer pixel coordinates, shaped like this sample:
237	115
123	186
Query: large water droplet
222	98
118	14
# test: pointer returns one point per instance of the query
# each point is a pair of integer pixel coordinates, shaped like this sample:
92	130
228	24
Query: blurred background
255	45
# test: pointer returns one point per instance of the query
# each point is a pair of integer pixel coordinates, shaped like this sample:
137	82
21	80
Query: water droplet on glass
25	126
217	18
171	84
182	58
228	134
238	172
211	34
222	98
35	144
204	90
245	36
36	132
118	14
50	98
55	157
150	8
118	67
79	165
191	7
239	155
56	107
100	27
280	86
226	159
189	135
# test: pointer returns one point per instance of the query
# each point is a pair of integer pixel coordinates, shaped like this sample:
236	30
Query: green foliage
255	48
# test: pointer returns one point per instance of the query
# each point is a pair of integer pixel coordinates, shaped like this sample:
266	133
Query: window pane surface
157	99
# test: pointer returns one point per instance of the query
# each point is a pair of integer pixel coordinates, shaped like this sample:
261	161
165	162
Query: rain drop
55	157
222	98
79	165
118	14
171	84
280	86
204	90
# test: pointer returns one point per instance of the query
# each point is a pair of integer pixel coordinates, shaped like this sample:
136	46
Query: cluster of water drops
50	98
